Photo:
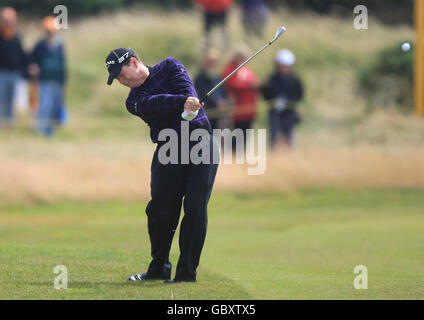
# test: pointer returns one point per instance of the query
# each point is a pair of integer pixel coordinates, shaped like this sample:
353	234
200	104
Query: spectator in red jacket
243	89
215	13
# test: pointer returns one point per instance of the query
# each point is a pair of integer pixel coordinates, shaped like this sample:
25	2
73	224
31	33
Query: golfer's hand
192	104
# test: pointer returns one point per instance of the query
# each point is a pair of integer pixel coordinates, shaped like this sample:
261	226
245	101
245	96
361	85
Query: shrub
388	79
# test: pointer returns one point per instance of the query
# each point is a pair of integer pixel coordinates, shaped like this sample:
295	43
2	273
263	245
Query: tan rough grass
126	178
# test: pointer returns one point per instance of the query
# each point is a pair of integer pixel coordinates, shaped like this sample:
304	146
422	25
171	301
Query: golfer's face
129	75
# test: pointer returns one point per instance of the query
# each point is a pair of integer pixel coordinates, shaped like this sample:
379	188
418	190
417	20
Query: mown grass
298	245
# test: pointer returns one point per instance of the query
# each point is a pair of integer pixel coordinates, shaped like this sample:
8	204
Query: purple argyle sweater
159	101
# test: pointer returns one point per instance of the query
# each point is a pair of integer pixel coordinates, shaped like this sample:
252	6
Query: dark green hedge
388	79
75	7
389	11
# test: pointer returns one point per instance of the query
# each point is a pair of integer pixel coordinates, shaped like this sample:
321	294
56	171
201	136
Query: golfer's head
124	65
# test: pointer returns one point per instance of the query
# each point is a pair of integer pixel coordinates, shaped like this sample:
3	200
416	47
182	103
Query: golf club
190	116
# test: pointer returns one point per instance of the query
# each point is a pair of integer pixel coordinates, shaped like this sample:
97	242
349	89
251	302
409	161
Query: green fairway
300	245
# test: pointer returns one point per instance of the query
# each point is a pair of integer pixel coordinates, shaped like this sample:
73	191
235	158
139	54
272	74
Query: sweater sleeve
180	78
151	107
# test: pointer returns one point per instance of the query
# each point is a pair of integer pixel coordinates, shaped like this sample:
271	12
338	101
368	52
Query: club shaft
238	68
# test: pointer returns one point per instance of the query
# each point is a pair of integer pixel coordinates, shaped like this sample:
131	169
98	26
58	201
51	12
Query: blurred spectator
285	90
242	88
215	13
48	65
204	81
254	17
13	64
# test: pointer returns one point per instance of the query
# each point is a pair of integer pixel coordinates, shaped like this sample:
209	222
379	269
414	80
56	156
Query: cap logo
108	63
121	59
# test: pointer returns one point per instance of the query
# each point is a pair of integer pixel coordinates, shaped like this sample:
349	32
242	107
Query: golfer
158	95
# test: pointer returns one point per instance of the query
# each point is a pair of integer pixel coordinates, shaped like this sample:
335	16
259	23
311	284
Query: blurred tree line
388	11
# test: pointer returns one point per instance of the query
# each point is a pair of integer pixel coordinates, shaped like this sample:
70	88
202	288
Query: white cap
285	57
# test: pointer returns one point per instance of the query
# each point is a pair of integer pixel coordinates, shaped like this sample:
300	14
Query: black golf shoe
144	276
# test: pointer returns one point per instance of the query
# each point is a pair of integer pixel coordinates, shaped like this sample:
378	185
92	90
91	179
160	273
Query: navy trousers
174	186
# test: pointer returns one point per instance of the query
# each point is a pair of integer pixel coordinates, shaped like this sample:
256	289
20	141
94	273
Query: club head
279	32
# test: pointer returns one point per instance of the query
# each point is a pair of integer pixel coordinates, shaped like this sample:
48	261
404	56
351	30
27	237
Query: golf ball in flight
406	46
